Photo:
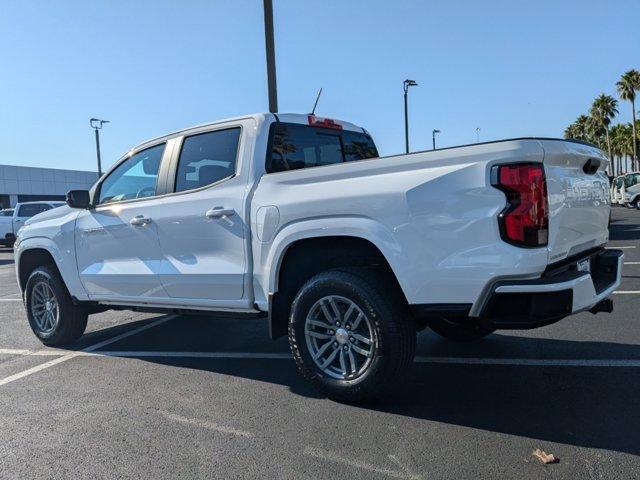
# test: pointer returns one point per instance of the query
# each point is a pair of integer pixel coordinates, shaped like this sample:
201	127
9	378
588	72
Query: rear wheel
349	336
53	317
458	331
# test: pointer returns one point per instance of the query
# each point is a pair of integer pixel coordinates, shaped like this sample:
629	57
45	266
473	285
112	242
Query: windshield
631	179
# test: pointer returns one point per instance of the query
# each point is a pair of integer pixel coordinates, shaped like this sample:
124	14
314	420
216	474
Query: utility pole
96	124
271	56
433	137
405	86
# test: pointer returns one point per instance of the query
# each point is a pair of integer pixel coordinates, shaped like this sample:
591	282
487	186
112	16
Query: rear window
295	146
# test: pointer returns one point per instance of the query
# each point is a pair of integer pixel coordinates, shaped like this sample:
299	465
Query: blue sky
511	68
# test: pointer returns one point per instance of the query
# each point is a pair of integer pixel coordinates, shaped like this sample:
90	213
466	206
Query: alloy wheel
340	337
44	308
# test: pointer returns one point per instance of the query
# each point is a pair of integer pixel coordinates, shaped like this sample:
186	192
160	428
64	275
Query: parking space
154	396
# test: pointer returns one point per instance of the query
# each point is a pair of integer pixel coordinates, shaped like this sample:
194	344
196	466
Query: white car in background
6	224
21	213
616	183
632	196
629	181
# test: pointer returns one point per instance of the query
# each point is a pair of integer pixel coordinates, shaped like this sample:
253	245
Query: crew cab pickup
296	218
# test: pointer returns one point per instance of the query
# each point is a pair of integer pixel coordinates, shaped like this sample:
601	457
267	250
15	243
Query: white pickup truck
296	218
6	226
11	220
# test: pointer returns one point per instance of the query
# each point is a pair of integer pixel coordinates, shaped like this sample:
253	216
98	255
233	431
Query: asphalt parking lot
156	396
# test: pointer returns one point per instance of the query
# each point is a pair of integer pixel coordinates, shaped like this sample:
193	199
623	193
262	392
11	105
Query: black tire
636	203
72	319
394	334
459	332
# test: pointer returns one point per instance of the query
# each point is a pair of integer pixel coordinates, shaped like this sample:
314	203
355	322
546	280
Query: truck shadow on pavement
594	407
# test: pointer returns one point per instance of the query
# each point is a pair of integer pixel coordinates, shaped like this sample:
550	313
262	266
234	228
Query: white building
26	184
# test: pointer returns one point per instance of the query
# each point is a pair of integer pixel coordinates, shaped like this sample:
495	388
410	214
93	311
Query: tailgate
579	202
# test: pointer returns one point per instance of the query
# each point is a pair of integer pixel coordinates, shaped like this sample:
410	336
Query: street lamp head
436	131
409	83
97	123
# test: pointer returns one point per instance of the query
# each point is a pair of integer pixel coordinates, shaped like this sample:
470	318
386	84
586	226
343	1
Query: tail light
525	220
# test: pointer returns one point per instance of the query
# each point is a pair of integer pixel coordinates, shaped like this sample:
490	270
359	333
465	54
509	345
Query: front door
118	254
202	235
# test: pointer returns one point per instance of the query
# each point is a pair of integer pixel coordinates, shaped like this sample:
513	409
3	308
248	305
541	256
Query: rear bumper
562	290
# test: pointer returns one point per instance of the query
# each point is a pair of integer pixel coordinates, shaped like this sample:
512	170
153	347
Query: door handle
219	212
140	221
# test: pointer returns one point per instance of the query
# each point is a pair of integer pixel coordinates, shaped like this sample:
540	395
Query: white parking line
230	355
532	362
551	362
10	299
13	351
622	292
632	263
403	472
90	352
89	349
206	424
617	248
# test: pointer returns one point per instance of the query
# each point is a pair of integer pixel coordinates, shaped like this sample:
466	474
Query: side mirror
79	199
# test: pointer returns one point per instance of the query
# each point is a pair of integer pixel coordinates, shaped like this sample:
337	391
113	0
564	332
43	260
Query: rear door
117	248
579	201
203	235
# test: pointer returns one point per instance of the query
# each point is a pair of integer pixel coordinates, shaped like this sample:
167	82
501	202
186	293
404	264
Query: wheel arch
306	252
362	228
31	259
36	251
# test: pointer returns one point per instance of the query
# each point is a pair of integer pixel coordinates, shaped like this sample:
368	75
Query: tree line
620	140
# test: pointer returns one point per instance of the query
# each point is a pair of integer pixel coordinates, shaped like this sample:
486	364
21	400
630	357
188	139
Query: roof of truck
301	118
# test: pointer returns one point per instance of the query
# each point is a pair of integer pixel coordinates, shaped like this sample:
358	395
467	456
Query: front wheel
349	336
53	317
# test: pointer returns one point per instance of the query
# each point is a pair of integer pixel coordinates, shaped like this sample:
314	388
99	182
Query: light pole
433	136
271	56
96	124
405	86
477	134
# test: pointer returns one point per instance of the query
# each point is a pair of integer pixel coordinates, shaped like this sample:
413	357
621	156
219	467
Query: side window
134	178
32	209
6	213
207	158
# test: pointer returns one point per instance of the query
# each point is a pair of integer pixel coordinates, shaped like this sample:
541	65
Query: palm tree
621	144
627	86
571	132
603	110
579	130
